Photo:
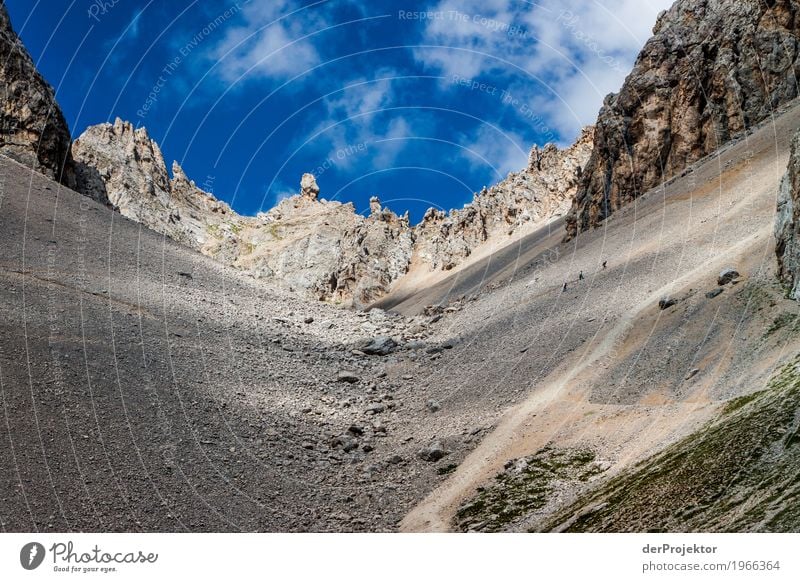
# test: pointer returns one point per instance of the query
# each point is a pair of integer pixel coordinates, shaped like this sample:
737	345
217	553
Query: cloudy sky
421	103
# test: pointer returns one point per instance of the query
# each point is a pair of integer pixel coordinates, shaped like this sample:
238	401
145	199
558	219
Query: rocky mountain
318	248
712	69
540	192
122	166
32	128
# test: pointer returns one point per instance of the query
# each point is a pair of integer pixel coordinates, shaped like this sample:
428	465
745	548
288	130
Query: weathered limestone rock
33	130
712	69
542	191
787	224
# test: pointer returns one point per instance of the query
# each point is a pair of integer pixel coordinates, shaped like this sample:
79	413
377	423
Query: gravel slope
147	388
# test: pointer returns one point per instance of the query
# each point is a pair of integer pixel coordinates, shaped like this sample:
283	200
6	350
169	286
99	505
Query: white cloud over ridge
579	50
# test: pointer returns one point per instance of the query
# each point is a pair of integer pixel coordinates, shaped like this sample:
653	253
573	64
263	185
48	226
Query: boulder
380	346
726	276
666	302
347	376
433	452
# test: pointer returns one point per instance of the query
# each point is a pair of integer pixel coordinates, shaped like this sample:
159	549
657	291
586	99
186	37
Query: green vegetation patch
739	473
737	403
784	320
525	486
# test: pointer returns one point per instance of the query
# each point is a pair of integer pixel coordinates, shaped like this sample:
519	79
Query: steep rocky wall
33	130
712	69
787	224
120	165
541	191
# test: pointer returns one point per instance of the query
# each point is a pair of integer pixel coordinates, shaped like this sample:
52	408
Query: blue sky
420	103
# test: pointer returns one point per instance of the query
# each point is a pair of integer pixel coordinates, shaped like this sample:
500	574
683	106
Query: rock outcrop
33	130
122	166
787	224
712	69
542	191
317	248
325	250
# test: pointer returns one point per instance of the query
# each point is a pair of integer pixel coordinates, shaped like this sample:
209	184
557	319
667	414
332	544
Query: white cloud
581	49
503	152
270	43
357	117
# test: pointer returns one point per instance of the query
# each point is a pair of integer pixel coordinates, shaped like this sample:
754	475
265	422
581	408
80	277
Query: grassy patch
783	320
757	296
525	485
739	473
737	403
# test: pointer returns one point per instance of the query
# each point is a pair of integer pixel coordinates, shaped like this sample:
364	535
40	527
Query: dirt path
436	512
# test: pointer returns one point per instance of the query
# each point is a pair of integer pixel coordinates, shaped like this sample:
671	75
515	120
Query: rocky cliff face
712	69
32	128
120	165
325	250
542	191
787	224
318	248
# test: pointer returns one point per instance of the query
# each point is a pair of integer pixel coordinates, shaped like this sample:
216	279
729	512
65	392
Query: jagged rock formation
315	247
326	250
318	248
540	192
120	165
712	69
32	128
787	224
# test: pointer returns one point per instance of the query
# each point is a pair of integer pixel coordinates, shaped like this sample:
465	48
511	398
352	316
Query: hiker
565	287
604	264
580	276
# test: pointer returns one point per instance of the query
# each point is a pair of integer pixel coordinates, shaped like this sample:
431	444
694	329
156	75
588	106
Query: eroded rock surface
712	69
315	247
32	128
787	225
542	191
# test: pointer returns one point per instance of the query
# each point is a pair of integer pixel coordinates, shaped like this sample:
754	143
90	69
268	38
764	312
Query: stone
433	406
714	293
433	452
726	276
347	376
666	302
308	187
375	408
350	445
380	346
